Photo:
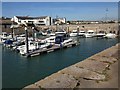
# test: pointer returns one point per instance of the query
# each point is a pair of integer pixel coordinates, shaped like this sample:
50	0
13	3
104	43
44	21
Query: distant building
44	20
77	22
59	21
5	23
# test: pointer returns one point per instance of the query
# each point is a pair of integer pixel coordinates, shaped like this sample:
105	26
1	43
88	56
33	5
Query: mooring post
33	33
78	34
12	33
26	41
77	30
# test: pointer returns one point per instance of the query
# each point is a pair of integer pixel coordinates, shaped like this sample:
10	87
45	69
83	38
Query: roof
27	17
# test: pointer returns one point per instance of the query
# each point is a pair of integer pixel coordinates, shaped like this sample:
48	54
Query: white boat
67	42
90	33
50	39
110	35
44	33
23	47
73	33
50	33
100	35
60	32
82	33
4	36
33	46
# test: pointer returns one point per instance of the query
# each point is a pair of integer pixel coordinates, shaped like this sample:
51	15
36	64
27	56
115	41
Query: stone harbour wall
97	71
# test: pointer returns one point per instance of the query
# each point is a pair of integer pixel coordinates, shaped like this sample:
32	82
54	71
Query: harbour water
19	71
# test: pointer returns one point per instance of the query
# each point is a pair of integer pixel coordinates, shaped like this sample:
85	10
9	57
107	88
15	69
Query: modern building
59	21
43	20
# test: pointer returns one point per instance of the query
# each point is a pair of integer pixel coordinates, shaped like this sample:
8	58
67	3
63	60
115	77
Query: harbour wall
97	71
96	27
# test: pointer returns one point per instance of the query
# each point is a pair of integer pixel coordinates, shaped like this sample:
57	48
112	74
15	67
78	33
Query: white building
44	20
59	20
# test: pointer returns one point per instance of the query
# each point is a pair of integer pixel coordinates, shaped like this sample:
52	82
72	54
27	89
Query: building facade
59	21
44	20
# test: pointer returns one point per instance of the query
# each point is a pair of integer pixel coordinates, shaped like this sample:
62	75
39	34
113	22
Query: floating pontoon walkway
51	49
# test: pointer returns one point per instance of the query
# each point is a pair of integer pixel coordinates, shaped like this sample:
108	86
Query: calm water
19	71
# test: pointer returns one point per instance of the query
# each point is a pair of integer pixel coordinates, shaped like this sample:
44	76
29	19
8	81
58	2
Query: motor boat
90	33
67	42
51	39
110	35
62	40
50	33
82	33
101	34
4	36
33	46
73	33
60	32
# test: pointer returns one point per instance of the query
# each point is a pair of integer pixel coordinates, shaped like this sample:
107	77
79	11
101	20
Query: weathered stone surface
103	59
87	84
57	80
109	52
31	87
92	65
98	71
82	73
111	80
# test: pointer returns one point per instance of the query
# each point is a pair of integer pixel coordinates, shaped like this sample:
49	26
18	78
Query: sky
69	10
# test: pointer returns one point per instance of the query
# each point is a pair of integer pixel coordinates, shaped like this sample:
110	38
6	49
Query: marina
63	45
33	46
30	70
85	74
32	58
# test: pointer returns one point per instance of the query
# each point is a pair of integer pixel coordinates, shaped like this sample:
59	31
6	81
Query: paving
97	71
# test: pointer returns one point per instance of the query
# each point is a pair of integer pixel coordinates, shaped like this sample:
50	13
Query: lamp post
27	47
